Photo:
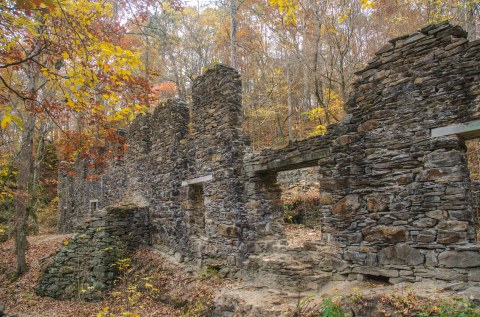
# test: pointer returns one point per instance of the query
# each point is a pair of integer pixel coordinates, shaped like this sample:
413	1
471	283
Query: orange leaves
163	91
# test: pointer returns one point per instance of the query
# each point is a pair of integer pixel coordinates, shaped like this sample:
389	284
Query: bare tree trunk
289	103
22	197
233	33
280	130
471	25
306	87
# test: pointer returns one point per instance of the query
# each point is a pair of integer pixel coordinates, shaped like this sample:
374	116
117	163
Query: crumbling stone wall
189	176
86	265
395	199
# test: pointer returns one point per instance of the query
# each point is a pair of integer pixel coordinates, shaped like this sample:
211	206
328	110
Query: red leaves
29	5
94	149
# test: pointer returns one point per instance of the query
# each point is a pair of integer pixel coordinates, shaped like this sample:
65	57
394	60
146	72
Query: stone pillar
218	147
167	167
265	211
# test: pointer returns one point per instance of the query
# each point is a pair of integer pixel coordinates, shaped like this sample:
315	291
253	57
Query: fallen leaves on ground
165	288
297	235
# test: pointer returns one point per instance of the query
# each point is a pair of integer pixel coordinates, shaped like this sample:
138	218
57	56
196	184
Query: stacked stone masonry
88	263
395	200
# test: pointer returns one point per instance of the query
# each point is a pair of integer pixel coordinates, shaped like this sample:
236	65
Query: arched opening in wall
301	205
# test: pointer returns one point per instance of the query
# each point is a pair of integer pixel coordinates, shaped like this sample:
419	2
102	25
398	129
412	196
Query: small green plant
455	307
287	213
305	308
211	271
331	309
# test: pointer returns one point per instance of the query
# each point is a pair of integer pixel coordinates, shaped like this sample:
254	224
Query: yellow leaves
8	118
324	29
342	18
5	122
367	4
287	8
104	312
70	104
65	243
141	109
318	130
65	55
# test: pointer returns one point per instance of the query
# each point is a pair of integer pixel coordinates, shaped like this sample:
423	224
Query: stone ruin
395	189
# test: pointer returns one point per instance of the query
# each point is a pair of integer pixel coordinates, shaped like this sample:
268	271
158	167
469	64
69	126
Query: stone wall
475	197
189	176
394	199
86	266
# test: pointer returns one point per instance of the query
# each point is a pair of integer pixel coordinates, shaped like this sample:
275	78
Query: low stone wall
86	266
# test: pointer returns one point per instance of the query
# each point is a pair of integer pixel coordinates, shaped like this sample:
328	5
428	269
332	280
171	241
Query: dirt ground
298	234
160	286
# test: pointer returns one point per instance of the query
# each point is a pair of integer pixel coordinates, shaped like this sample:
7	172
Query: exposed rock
446	237
400	254
385	233
346	206
375	271
459	259
377	202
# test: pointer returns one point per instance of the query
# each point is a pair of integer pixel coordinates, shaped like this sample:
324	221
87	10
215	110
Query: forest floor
297	235
155	287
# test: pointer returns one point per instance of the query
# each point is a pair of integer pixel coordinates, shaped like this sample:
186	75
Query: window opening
196	204
93	206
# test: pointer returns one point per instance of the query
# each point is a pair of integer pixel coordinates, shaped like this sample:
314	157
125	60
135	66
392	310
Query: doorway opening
301	205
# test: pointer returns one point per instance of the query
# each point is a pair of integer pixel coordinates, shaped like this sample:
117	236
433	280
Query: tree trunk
22	197
471	25
233	33
289	103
